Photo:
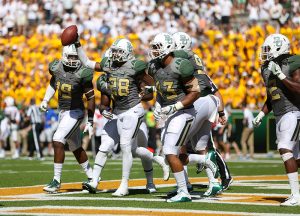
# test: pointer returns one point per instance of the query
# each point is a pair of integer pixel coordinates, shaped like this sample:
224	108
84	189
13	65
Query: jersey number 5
64	90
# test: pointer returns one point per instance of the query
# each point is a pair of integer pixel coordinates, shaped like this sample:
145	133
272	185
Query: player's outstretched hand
89	128
43	106
276	70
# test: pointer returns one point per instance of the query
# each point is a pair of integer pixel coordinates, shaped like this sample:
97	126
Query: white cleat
16	155
180	197
2	153
122	191
291	201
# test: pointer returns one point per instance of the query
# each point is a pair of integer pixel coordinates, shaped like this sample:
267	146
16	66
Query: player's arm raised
84	59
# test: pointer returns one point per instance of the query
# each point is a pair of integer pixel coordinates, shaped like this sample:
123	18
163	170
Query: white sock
57	171
126	163
294	183
210	176
87	169
159	160
100	161
196	158
185	169
180	180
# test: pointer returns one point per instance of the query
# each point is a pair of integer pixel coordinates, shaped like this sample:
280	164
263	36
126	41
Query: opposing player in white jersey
9	127
281	74
209	109
71	79
124	76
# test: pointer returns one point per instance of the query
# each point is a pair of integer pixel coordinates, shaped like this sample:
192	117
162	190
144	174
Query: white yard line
12	211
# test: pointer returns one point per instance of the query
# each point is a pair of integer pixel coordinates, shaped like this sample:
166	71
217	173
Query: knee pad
286	156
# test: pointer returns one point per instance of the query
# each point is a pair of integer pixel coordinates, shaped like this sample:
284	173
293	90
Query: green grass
17	173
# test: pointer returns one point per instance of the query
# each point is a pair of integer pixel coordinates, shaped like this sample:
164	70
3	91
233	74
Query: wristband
179	105
221	113
281	76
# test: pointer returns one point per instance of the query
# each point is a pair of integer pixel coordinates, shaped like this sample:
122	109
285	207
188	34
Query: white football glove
170	109
276	70
108	114
257	120
157	111
43	106
89	128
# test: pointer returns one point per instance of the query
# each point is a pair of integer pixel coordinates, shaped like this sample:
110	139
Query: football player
207	107
71	79
177	90
281	74
138	147
124	74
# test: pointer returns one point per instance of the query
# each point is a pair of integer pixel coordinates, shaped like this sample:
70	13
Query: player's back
282	100
123	83
205	83
70	84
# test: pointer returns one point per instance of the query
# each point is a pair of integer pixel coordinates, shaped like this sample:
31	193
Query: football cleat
172	193
211	162
180	197
291	201
88	185
151	188
213	189
122	191
52	187
199	168
226	183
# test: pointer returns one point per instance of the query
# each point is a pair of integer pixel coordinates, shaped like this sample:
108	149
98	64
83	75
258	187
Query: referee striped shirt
35	115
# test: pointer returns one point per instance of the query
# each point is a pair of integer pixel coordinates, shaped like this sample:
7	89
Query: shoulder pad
180	54
86	74
294	63
54	66
139	66
183	67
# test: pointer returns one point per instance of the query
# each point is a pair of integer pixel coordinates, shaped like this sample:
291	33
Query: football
69	35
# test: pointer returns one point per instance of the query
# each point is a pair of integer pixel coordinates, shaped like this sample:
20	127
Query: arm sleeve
49	93
84	59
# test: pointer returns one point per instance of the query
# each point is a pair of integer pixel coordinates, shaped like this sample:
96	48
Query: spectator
247	139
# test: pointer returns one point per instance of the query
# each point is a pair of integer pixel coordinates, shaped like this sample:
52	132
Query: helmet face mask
161	46
70	57
121	51
274	46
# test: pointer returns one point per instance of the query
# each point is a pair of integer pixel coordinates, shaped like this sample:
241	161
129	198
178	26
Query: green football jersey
70	85
206	85
168	80
122	83
282	100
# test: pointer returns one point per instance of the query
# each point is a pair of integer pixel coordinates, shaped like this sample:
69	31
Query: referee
35	116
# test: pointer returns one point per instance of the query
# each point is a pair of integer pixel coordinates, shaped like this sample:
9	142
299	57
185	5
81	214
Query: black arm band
221	113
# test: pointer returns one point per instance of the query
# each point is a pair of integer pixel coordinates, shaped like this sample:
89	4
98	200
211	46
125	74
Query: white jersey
12	113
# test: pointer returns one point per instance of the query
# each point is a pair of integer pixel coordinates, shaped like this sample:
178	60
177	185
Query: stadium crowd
226	34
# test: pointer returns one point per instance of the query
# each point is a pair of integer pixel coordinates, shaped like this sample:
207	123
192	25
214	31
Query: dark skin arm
293	84
89	94
145	80
267	107
192	90
105	102
222	119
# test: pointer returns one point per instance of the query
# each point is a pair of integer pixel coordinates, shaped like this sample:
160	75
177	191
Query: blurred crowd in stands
227	34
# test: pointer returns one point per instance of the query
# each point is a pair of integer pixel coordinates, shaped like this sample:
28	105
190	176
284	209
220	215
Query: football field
258	188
